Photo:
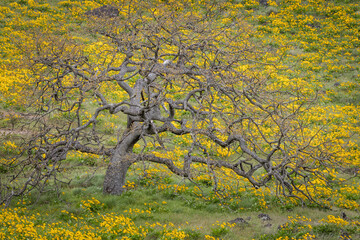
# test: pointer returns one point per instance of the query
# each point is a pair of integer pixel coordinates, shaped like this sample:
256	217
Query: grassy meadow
316	47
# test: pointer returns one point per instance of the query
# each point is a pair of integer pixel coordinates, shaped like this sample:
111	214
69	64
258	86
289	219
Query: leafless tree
180	73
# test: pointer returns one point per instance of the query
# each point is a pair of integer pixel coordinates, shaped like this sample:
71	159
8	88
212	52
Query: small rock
264	217
268	225
103	11
264	3
337	84
238	220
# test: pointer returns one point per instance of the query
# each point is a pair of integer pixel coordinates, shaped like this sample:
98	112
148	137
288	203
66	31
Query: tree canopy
195	90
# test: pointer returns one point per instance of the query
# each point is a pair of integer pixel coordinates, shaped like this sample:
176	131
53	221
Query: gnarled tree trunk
120	161
116	174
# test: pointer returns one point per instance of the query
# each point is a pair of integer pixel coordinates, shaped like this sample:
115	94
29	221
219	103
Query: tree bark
120	162
116	174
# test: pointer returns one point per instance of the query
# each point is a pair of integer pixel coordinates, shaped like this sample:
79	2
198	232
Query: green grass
196	216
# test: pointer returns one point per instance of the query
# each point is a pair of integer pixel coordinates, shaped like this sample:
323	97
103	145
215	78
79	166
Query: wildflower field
309	45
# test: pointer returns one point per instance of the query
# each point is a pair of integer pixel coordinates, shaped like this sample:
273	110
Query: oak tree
171	72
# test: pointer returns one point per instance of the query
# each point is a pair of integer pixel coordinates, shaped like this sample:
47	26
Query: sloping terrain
312	46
